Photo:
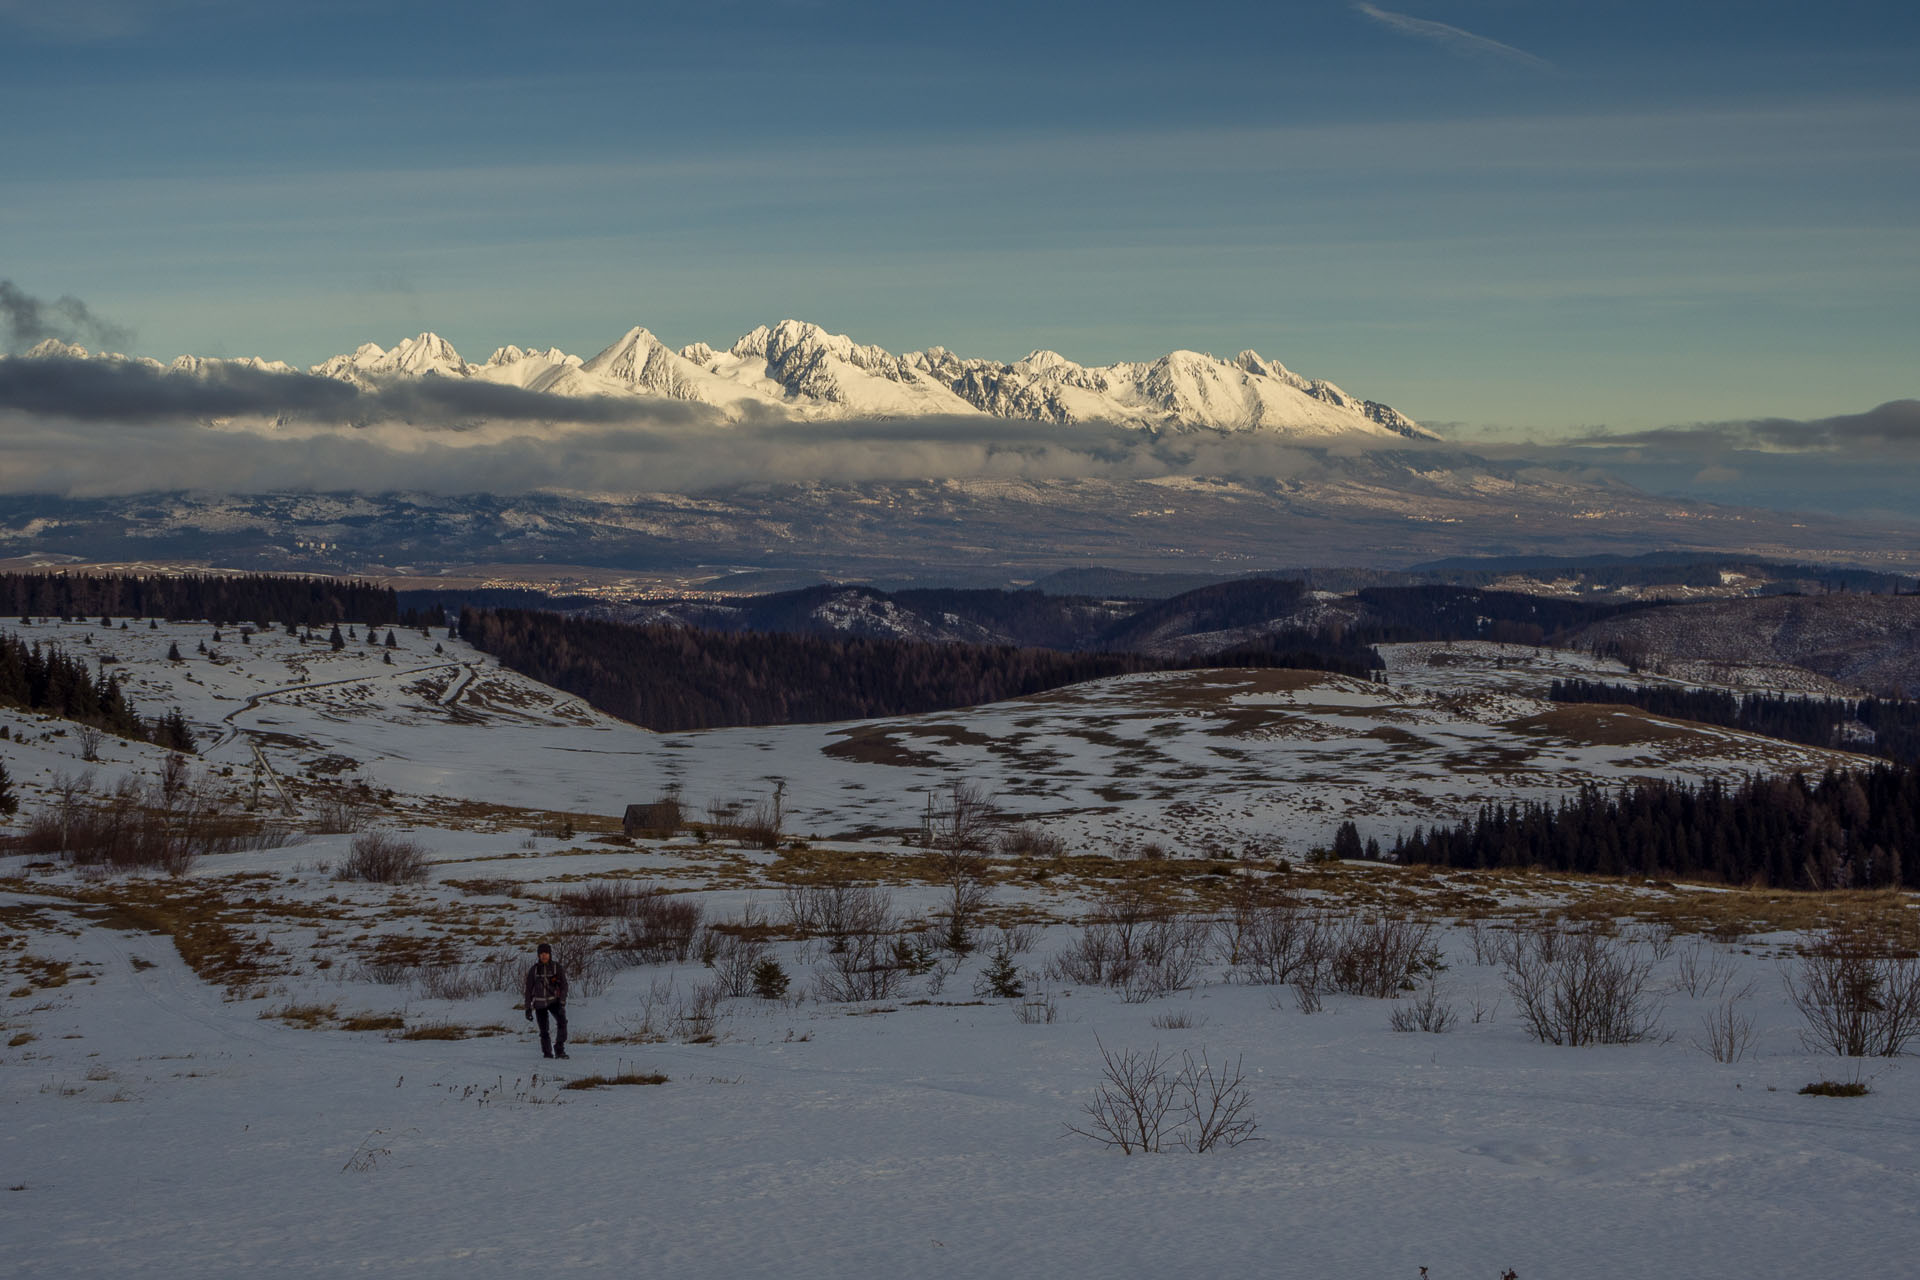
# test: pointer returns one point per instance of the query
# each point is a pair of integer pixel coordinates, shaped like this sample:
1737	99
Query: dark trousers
559	1012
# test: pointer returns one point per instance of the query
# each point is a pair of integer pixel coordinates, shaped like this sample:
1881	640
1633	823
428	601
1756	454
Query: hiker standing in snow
547	994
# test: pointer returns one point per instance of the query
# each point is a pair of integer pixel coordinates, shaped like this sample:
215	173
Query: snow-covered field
167	1119
155	1127
1191	761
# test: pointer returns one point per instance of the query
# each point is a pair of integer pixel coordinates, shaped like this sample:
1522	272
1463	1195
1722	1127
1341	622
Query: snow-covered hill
801	370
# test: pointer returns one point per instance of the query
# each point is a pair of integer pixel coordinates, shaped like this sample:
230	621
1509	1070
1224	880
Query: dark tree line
677	678
1848	829
1887	727
222	599
1468	613
45	678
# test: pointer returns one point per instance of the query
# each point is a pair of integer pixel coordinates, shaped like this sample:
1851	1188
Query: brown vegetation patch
373	1022
308	1017
624	1077
435	1031
210	933
1604	725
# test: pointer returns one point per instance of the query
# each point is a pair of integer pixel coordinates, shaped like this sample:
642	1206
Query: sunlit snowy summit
800	370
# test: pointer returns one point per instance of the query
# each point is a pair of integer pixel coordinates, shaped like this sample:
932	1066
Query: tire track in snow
252	701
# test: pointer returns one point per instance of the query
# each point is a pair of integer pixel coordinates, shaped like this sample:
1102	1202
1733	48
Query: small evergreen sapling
770	981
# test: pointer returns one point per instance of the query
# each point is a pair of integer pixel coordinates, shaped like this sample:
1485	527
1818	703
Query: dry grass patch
623	1077
309	1017
809	865
373	1022
435	1031
209	932
1837	1089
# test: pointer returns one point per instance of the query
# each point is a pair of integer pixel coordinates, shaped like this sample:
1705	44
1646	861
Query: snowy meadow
929	1004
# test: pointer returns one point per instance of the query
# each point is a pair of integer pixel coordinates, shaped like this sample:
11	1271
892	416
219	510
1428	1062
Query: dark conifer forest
677	678
217	598
1846	829
45	678
1887	727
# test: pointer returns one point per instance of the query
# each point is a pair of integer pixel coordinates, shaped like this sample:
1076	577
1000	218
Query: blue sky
1512	215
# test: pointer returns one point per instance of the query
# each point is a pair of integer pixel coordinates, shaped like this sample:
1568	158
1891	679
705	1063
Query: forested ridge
678	678
44	677
1847	829
217	598
1887	727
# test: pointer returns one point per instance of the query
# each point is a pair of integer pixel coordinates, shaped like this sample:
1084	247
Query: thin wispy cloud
93	21
1454	39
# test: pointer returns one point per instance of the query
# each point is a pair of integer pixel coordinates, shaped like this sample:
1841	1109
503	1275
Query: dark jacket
546	986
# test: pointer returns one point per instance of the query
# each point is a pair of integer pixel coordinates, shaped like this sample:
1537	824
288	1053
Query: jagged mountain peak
802	369
426	353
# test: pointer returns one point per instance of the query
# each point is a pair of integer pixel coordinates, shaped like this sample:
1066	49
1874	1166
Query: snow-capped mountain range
801	370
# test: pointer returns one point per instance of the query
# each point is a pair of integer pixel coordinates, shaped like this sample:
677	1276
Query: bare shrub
1483	943
1538	939
1146	1103
1377	958
1218	1106
455	981
504	973
603	898
1030	841
736	960
1142	948
1727	1032
1132	1108
1041	1007
91	737
387	973
165	827
763	827
1276	942
961	829
1171	953
1659	938
669	1013
1591	991
1306	997
1701	969
698	1015
341	812
660	927
384	858
1858	997
1425	1012
1018	939
837	911
870	966
1180	1021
